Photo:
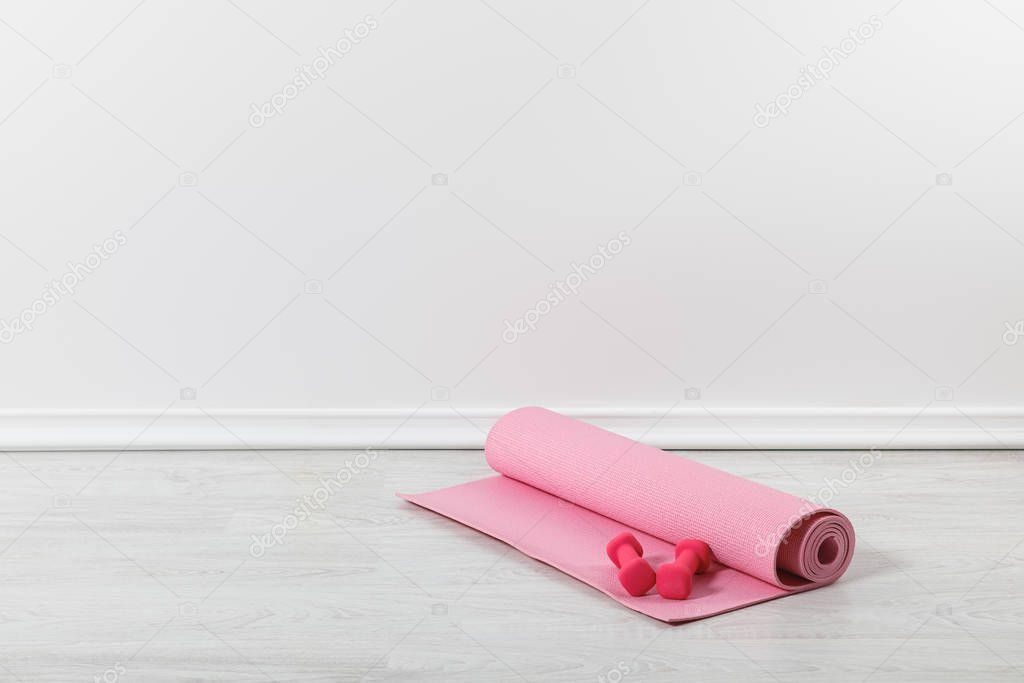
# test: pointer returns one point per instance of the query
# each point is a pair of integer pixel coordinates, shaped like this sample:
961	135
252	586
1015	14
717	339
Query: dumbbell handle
688	561
624	553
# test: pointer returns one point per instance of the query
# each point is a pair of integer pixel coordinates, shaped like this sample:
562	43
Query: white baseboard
697	427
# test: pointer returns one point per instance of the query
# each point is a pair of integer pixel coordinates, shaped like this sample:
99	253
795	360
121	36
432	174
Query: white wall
805	282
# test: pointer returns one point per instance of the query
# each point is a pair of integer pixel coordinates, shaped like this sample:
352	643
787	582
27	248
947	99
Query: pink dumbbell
675	579
635	573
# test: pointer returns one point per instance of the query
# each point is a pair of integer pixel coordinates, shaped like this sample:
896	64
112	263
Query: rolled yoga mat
565	488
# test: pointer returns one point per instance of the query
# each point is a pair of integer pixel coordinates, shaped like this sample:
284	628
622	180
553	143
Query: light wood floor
137	567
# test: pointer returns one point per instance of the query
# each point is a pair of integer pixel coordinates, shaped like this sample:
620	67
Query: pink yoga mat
565	488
